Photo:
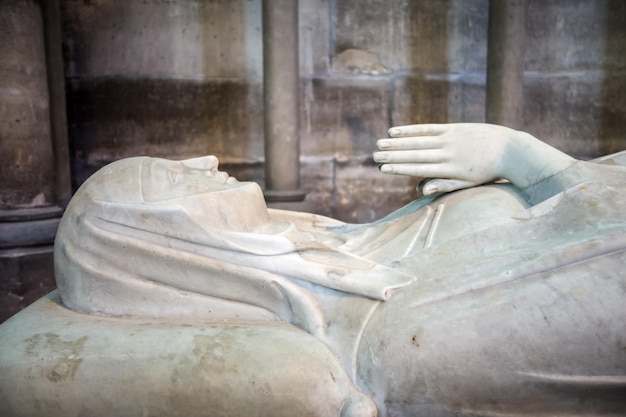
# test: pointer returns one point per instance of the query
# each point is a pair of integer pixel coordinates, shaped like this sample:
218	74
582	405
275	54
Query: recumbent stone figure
480	298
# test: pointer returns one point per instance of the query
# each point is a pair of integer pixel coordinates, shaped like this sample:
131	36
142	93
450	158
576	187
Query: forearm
528	162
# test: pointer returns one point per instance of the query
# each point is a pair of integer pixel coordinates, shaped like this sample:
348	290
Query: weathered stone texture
575	35
343	116
582	116
314	37
364	194
612	134
427	99
26	274
113	118
163	39
615	36
574	81
433	36
26	160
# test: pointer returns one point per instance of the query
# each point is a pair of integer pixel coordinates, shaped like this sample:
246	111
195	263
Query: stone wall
183	78
31	186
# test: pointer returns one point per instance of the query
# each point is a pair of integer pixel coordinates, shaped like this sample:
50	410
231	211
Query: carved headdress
120	251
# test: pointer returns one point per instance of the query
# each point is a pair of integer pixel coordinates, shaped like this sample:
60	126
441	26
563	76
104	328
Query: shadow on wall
116	118
232	44
612	134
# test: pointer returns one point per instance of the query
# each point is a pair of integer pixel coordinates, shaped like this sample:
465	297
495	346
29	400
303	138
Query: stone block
314	37
22	69
26	167
357	62
613	108
467	35
317	179
26	158
26	274
615	36
163	39
343	116
433	36
575	35
364	194
112	118
446	99
583	116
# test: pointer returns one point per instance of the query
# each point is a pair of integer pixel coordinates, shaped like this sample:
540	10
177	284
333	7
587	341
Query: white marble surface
492	300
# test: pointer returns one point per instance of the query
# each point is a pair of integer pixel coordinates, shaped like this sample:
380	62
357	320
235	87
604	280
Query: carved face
162	179
209	197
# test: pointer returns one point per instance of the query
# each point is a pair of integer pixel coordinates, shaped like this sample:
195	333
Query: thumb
439	185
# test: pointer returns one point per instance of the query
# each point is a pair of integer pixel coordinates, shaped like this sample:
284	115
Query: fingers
414	170
440	185
418	130
411	156
410	143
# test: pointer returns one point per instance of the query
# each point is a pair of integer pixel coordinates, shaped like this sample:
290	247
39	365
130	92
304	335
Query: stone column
26	158
281	100
29	210
56	88
505	62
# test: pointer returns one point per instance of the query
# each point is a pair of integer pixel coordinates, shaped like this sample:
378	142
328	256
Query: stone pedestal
56	362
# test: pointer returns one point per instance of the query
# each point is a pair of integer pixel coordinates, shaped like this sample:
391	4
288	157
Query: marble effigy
181	293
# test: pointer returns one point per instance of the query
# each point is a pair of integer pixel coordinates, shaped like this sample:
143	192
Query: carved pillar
56	88
29	177
27	168
281	100
505	62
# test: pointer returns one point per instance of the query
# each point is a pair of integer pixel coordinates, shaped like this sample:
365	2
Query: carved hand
464	155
